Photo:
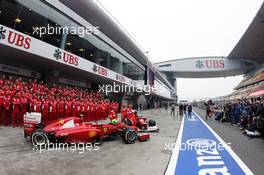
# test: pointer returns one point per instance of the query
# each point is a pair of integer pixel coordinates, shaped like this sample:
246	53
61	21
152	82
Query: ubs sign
210	64
15	38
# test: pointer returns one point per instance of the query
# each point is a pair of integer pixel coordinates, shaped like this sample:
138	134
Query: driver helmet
114	121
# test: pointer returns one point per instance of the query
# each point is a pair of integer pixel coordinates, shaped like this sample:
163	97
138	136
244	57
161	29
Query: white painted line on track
176	149
242	165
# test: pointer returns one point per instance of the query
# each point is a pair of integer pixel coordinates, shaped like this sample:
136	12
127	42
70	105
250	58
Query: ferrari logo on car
61	122
105	129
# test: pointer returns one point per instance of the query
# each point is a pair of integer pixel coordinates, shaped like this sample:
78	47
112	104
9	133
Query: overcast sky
171	29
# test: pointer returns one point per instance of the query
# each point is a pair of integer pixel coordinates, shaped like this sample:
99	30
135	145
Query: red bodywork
78	131
135	120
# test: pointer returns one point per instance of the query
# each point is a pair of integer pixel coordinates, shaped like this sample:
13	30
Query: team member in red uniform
45	111
96	111
61	108
24	106
92	111
88	111
7	106
37	105
1	107
123	112
104	110
84	110
75	108
68	108
32	101
112	115
78	108
53	109
15	112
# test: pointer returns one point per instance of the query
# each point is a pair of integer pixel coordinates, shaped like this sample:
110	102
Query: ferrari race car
75	130
144	125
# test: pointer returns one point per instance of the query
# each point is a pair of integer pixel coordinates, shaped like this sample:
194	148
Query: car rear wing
33	118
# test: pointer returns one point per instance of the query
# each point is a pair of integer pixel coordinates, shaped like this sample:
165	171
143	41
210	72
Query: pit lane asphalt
113	157
249	150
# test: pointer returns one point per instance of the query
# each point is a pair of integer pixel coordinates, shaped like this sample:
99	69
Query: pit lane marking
235	164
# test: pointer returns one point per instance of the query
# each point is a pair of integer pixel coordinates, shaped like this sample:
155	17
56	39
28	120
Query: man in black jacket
189	111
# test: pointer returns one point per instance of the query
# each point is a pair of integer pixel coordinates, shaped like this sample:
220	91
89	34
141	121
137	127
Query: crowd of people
18	97
246	114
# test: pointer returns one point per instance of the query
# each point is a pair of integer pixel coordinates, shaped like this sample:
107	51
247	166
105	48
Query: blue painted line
199	150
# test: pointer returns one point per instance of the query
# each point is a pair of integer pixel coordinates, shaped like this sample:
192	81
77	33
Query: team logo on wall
2	32
199	64
210	64
100	70
120	78
94	68
57	54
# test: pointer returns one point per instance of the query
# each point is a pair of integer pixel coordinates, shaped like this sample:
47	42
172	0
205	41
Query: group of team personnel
18	97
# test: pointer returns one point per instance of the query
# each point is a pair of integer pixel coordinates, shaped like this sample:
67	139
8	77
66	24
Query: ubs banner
32	45
203	64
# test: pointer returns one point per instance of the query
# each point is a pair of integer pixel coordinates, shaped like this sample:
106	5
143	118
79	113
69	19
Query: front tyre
129	135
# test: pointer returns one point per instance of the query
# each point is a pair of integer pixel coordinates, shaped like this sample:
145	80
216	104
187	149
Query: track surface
251	151
199	150
114	157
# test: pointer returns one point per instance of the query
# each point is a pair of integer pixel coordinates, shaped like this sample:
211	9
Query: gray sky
171	29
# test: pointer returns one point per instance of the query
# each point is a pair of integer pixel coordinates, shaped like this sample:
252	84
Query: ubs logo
15	38
209	64
94	68
2	32
57	54
67	58
100	70
199	64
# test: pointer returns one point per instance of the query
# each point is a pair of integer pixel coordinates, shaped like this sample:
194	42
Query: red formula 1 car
131	118
74	130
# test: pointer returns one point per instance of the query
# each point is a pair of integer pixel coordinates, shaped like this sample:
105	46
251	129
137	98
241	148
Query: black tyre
39	139
152	122
129	135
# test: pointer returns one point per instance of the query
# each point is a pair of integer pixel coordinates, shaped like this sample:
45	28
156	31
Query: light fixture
69	44
0	11
81	50
17	20
101	59
91	55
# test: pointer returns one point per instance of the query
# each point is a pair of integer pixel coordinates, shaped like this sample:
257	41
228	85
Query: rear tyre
152	122
39	139
129	135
